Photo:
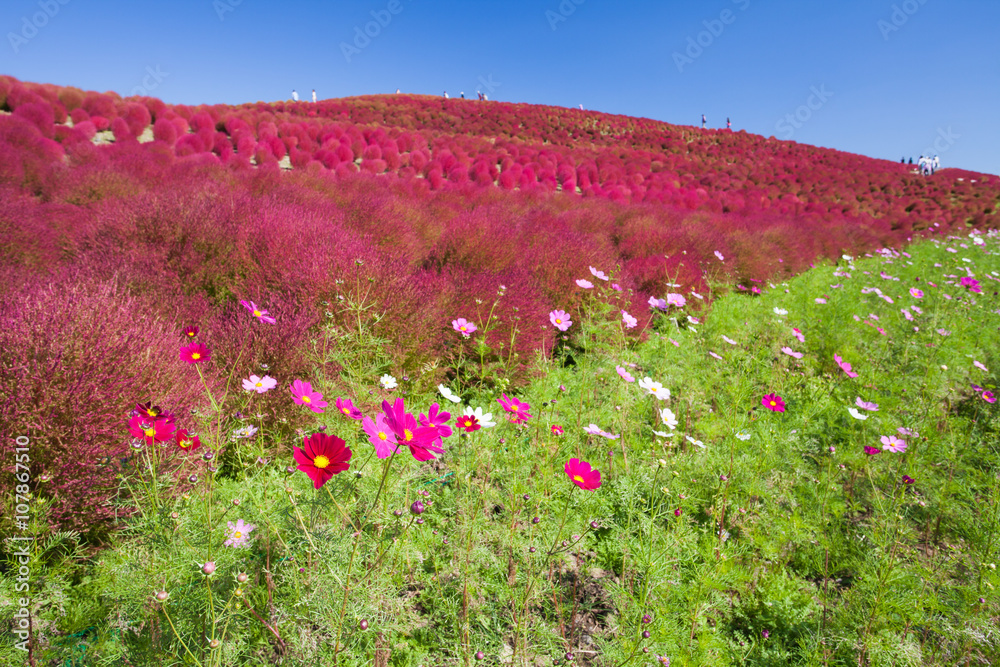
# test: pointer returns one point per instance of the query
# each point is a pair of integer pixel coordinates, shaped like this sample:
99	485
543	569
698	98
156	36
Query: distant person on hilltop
911	159
704	121
486	98
446	95
295	95
936	164
314	95
581	107
462	94
397	91
729	124
902	160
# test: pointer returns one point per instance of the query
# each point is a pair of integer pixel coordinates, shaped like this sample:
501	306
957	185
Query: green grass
791	546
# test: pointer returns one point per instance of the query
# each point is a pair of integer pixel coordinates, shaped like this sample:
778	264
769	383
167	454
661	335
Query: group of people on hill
926	164
295	95
482	96
704	123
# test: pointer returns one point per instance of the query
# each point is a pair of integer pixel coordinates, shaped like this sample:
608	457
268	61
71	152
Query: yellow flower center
305	399
184	444
345	411
577	478
237	535
382	436
196	356
321	461
461	328
150	432
407	434
558	321
259	384
256	313
773	404
151	412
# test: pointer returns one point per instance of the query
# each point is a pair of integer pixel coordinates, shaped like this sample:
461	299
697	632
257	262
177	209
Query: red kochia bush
39	115
164	130
72	357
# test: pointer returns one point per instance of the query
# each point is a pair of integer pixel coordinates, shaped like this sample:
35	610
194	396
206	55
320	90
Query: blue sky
882	78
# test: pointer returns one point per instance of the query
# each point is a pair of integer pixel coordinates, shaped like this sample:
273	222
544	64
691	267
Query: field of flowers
404	380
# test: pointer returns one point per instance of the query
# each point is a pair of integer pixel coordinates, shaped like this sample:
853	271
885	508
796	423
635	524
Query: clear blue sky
929	71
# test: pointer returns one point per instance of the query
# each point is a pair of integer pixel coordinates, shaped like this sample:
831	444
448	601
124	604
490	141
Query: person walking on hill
446	94
936	164
314	96
703	121
295	95
729	124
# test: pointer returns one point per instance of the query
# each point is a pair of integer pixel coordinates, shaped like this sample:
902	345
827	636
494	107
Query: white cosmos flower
388	381
663	434
856	414
696	443
743	436
448	394
669	419
485	419
780	311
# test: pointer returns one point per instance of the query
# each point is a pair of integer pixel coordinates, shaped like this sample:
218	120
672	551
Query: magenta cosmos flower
464	327
625	375
866	405
322	456
872	451
891	443
380	435
844	366
557	429
195	354
773	402
581	474
346	408
560	320
629	321
518	410
260	385
916	294
422	441
191	332
437	420
151	430
258	312
989	397
303	394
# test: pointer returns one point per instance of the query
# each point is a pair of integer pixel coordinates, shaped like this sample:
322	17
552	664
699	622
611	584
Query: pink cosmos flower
600	275
872	451
844	366
906	314
239	534
980	366
260	385
657	303
585	284
560	320
581	474
150	429
916	294
346	407
303	394
798	334
972	284
258	312
891	443
908	480
557	430
321	457
625	375
616	287
187	442
677	300
630	322
792	353
195	354
464	327
719	255
518	410
989	397
673	342
773	402
729	340
714	355
865	405
380	435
